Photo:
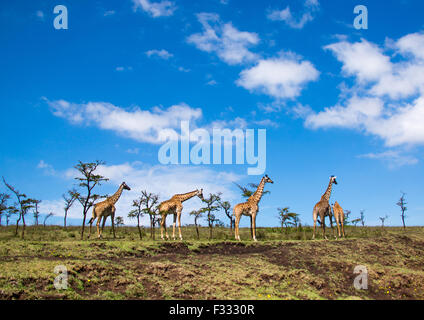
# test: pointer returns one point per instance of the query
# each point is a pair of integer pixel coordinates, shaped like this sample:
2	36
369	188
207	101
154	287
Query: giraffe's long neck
327	194
186	196
259	192
115	197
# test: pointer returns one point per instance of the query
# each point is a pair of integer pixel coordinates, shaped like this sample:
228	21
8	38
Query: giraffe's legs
173	226
163	227
103	225
238	216
179	225
338	223
251	226
342	223
113	223
253	217
99	235
91	223
323	226
315	216
331	224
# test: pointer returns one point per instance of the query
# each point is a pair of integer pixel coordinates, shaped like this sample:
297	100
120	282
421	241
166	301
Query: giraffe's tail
93	217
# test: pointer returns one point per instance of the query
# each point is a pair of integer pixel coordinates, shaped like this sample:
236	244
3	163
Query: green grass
282	265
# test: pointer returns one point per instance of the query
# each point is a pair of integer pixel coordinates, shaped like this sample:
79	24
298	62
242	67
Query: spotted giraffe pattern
322	208
105	209
175	206
339	216
250	208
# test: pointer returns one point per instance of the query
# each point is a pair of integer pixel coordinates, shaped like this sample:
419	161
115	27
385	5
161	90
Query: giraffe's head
200	194
124	185
333	179
268	179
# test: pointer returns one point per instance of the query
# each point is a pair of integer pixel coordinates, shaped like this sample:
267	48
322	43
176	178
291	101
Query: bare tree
383	219
402	204
145	204
212	205
346	217
36	213
51	214
4	197
23	205
197	214
88	182
356	221
226	206
362	217
69	201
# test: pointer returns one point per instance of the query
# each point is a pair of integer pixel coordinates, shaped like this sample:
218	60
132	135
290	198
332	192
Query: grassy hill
282	265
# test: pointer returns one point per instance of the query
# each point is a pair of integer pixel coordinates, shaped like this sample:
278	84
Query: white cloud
109	13
281	78
358	113
361	59
163	54
393	158
387	99
230	44
133	151
47	168
412	44
120	69
40	15
311	7
156	9
141	125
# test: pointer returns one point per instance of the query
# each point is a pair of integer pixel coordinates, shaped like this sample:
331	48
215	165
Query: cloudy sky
334	100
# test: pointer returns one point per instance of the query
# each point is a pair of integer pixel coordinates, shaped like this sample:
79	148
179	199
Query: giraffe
175	206
105	209
250	208
339	216
322	208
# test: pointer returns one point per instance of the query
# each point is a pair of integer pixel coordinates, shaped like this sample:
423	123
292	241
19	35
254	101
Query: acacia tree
402	204
69	201
287	218
119	221
51	214
212	205
362	218
226	206
11	211
88	182
145	204
356	221
23	205
346	217
197	214
383	219
36	213
4	197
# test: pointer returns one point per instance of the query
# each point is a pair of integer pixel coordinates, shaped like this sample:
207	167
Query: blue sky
333	99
